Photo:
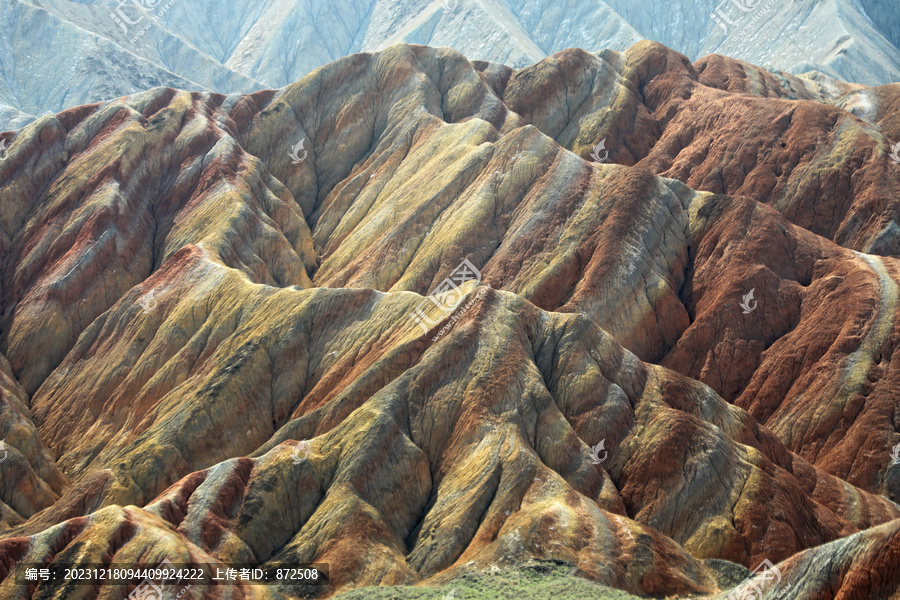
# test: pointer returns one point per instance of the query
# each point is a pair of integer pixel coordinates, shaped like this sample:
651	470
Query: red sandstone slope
727	127
182	303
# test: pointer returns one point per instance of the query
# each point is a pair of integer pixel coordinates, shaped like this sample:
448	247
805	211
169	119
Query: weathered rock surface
863	563
212	354
779	141
63	53
31	479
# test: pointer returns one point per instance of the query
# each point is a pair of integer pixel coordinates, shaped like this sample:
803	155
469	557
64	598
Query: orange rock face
223	345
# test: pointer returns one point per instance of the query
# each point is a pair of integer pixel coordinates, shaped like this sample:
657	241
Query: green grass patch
536	580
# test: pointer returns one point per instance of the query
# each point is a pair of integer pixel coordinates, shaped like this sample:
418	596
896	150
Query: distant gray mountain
55	54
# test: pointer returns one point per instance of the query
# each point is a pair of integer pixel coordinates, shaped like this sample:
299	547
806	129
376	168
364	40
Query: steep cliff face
76	52
222	348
